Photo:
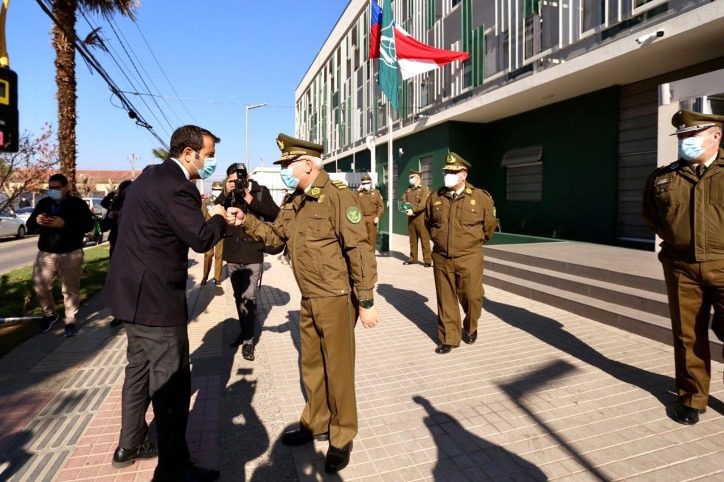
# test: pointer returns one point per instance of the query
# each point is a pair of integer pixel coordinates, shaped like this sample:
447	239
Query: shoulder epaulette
339	184
486	192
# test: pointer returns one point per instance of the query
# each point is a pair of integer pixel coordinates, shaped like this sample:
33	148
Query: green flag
389	75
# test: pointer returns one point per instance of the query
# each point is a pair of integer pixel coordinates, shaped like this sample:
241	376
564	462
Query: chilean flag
413	57
375	29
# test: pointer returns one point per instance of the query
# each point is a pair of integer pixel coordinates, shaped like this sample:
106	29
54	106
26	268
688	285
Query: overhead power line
93	62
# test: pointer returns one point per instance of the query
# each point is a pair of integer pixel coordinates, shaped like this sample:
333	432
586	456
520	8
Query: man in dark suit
146	289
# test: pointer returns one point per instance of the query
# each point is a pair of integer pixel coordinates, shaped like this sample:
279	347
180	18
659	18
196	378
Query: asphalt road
16	253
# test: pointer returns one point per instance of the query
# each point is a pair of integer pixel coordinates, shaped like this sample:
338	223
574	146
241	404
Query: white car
11	225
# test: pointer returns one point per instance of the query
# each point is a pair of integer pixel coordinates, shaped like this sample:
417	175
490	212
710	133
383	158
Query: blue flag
389	74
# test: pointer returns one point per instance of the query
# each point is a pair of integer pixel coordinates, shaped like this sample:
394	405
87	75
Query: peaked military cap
293	148
453	162
414	172
688	121
217	185
366	177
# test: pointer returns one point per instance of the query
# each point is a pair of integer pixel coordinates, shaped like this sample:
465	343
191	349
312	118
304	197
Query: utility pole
132	159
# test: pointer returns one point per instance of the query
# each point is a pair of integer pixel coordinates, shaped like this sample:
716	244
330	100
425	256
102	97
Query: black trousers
158	372
245	282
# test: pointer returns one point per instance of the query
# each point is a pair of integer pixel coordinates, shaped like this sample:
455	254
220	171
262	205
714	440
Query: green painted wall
580	166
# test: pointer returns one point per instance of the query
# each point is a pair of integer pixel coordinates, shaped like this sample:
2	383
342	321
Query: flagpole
390	162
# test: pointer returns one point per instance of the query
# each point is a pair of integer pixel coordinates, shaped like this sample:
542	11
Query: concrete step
643	323
588	270
643	300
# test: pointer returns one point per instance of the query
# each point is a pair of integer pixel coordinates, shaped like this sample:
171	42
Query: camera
236	196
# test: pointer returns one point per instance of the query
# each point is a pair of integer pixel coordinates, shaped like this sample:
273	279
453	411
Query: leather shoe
301	436
337	459
125	457
442	349
191	473
685	415
409	262
470	338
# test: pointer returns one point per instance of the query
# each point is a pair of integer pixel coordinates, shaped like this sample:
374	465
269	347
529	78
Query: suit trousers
67	266
693	288
158	371
216	253
371	230
416	229
326	327
458	280
245	282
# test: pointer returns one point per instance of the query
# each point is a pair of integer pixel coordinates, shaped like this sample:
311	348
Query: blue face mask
691	148
208	168
288	178
55	194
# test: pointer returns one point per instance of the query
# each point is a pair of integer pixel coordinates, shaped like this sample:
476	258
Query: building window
467	74
455	2
523	173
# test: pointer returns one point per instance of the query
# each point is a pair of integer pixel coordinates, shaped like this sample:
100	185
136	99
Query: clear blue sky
221	53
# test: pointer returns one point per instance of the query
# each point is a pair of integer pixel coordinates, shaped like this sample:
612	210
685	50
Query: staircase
636	303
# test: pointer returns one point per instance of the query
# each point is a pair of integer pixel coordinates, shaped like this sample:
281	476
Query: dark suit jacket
161	219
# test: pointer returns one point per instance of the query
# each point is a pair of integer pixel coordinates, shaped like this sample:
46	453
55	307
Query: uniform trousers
48	267
158	372
371	230
458	280
216	253
326	327
416	229
245	282
693	289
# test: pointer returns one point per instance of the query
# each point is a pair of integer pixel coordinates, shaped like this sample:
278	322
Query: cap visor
699	127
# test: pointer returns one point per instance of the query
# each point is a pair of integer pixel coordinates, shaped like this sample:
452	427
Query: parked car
11	225
24	213
94	203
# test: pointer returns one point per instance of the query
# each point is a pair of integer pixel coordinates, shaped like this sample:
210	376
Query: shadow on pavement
411	305
551	332
485	460
268	297
12	460
278	459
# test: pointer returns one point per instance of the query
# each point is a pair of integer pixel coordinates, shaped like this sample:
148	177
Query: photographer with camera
245	257
112	203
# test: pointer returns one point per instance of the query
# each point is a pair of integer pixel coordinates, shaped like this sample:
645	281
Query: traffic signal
9	134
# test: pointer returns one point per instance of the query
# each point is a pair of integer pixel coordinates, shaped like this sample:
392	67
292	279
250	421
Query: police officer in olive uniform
336	270
684	205
461	219
416	196
372	206
217	187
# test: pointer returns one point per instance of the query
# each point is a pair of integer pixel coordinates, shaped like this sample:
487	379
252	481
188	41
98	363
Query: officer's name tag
437	203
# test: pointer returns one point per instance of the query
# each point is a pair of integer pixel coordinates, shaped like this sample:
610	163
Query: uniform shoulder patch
487	193
339	184
354	215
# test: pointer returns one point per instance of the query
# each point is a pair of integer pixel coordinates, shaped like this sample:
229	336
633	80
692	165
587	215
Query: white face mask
366	187
451	180
413	182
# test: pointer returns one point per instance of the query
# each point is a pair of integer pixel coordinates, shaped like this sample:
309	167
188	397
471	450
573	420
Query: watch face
366	304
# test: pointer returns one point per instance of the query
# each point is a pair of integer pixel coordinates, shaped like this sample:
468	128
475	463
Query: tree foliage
28	169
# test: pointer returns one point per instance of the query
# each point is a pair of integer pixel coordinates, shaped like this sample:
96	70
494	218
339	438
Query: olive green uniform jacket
459	227
326	239
687	212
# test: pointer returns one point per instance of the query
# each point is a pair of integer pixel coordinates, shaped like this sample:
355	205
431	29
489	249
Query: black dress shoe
470	338
685	415
302	436
337	459
247	351
125	457
409	262
191	473
442	349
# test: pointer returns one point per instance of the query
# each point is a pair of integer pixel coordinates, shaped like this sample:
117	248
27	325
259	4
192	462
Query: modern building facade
563	108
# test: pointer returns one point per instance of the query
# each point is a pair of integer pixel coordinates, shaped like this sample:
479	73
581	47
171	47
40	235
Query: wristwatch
367	304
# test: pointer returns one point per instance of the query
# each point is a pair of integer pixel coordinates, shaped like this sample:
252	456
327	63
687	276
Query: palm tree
64	34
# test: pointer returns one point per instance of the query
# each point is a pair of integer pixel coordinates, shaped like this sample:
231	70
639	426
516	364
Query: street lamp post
246	129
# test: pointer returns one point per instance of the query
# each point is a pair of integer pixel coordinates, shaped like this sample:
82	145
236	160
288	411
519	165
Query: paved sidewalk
543	394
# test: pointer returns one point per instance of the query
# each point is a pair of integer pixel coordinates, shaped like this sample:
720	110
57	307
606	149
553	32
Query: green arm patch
353	215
